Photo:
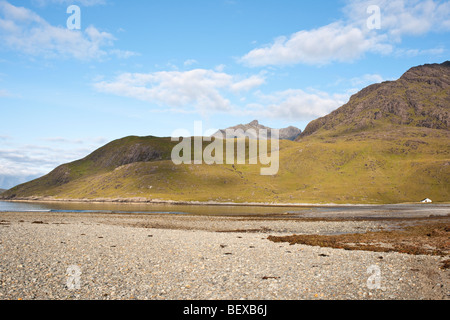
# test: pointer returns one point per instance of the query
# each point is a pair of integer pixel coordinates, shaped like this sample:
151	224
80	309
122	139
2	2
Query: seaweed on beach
426	239
445	264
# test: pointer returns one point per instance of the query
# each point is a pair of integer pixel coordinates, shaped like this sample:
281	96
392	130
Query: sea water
142	208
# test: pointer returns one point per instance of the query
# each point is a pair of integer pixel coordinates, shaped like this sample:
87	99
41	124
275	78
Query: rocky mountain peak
289	133
420	98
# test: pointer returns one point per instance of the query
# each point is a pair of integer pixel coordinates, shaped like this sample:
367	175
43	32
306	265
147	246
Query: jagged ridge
289	133
420	98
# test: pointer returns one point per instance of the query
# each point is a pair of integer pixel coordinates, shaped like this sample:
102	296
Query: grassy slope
385	165
377	148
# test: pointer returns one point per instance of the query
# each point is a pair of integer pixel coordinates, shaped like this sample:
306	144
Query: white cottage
426	200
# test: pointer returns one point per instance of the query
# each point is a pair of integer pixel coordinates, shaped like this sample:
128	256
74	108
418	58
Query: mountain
420	98
289	133
2	190
388	144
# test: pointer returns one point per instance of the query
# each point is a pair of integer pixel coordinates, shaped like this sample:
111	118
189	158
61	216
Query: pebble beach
182	257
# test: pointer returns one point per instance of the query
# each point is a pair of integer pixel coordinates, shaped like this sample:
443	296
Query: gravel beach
181	257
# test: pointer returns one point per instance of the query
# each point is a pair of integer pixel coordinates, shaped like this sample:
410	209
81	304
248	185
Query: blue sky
150	67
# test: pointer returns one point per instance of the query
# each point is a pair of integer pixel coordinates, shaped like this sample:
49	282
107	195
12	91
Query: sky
72	81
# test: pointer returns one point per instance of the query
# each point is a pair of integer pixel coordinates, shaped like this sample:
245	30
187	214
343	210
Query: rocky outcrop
420	98
289	133
125	154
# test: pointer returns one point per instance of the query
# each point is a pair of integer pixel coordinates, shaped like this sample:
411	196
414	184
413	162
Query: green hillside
389	144
371	167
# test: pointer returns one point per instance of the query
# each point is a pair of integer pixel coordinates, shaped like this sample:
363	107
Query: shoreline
208	203
304	212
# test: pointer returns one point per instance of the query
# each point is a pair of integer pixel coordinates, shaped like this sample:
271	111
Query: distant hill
389	144
289	133
9	181
2	190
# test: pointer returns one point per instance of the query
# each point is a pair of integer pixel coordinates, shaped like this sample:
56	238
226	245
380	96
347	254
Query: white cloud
123	54
208	91
18	14
334	42
199	89
190	62
248	83
403	17
29	160
24	31
419	52
38	159
296	104
86	3
349	39
366	80
220	68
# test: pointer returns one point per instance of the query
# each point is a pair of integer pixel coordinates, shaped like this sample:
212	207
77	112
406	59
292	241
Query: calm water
350	211
138	208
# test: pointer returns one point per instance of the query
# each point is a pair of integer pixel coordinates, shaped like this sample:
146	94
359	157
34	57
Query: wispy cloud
350	38
296	104
4	93
403	17
86	3
35	158
28	162
5	138
206	92
401	52
334	42
21	164
123	54
365	80
190	62
63	140
202	90
42	157
24	31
